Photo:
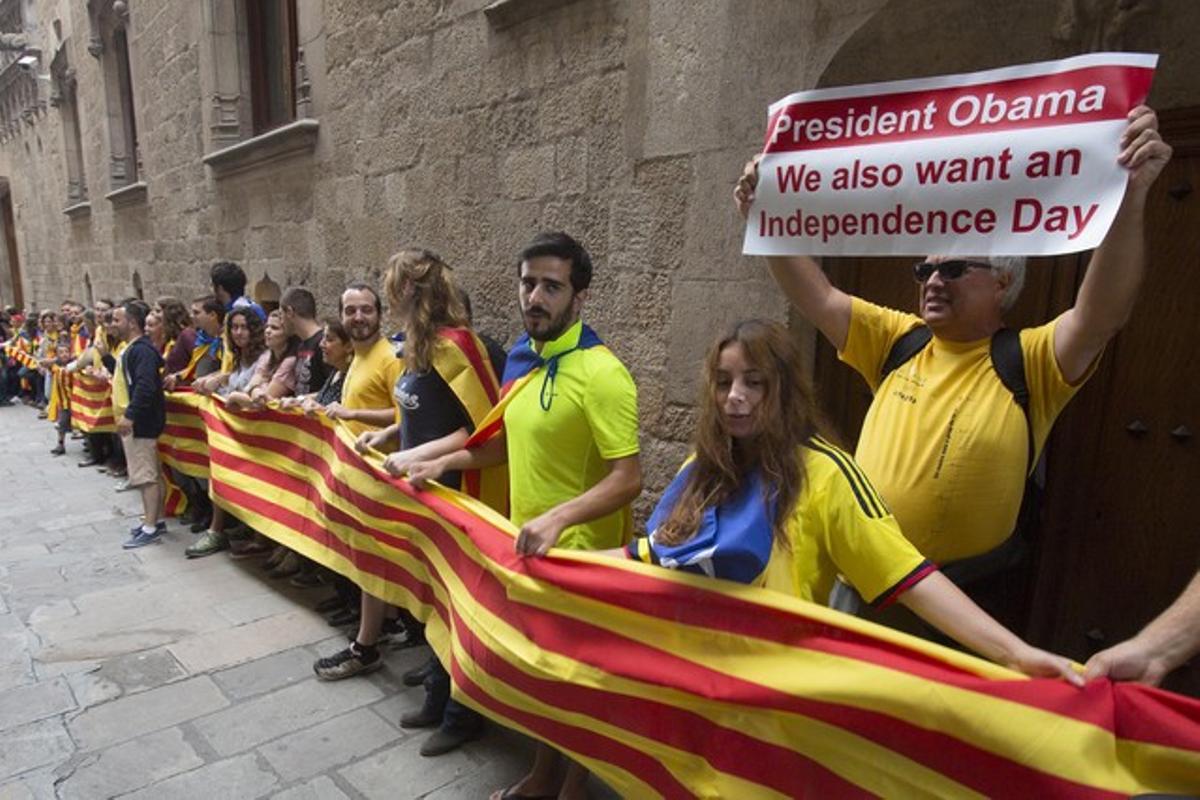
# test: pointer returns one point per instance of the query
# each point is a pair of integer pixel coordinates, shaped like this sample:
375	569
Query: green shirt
555	455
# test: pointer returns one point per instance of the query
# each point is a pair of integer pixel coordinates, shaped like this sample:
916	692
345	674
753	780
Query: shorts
141	459
63	424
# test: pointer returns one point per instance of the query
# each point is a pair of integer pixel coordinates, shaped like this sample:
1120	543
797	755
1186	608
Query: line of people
924	511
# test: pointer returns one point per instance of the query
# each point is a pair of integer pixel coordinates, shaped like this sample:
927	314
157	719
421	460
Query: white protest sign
1015	161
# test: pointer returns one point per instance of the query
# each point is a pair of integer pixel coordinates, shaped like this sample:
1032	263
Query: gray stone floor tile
125	718
391	773
266	674
270	716
240	778
128	766
322	788
34	702
331	744
37	744
229	646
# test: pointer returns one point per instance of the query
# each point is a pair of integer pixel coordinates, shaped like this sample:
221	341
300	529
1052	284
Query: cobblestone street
142	674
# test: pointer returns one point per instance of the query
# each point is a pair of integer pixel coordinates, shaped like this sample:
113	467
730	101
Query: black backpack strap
1009	363
904	348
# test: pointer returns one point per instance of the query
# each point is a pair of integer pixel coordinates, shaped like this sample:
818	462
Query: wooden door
10	246
1121	538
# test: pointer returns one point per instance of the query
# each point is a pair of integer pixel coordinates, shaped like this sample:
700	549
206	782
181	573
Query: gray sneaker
211	542
347	663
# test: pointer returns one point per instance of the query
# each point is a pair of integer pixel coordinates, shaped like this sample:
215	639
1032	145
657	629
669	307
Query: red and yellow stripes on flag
183	444
91	404
673	685
174	500
18	353
461	360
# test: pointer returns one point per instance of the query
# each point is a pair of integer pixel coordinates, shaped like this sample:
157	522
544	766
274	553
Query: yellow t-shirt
369	381
841	525
944	441
558	454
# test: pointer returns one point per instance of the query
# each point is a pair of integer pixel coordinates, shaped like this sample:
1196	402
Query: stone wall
623	122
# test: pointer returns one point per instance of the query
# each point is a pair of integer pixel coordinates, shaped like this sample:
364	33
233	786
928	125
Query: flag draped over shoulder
60	392
523	366
461	360
668	684
19	353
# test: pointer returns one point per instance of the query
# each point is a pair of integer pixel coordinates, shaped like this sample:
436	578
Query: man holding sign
961	407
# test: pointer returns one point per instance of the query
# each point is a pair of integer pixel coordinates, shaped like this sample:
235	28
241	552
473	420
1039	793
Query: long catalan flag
674	685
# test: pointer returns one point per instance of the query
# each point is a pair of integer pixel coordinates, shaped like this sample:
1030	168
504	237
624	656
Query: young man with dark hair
208	320
229	287
144	418
299	309
570	439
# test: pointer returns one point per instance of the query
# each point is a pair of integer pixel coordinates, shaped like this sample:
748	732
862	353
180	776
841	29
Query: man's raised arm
1115	273
801	277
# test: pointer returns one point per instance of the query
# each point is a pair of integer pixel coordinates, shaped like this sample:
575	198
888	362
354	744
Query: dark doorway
11	289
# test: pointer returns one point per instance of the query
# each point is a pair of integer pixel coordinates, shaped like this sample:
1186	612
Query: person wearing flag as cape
445	389
567	426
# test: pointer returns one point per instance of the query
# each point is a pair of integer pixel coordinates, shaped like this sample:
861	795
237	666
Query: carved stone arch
919	38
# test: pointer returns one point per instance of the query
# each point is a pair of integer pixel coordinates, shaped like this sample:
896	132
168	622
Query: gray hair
1014	268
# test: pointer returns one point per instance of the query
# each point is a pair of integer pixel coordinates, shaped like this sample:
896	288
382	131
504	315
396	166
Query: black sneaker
348	663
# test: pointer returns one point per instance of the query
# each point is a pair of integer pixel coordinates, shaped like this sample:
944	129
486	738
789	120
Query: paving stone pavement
141	674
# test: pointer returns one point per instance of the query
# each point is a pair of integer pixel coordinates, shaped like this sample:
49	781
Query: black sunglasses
948	270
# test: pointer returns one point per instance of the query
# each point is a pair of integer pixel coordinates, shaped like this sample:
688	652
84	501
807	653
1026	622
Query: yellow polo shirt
369	381
943	440
555	455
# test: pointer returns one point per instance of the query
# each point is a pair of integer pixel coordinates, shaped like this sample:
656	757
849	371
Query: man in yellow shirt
570	438
367	389
943	440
